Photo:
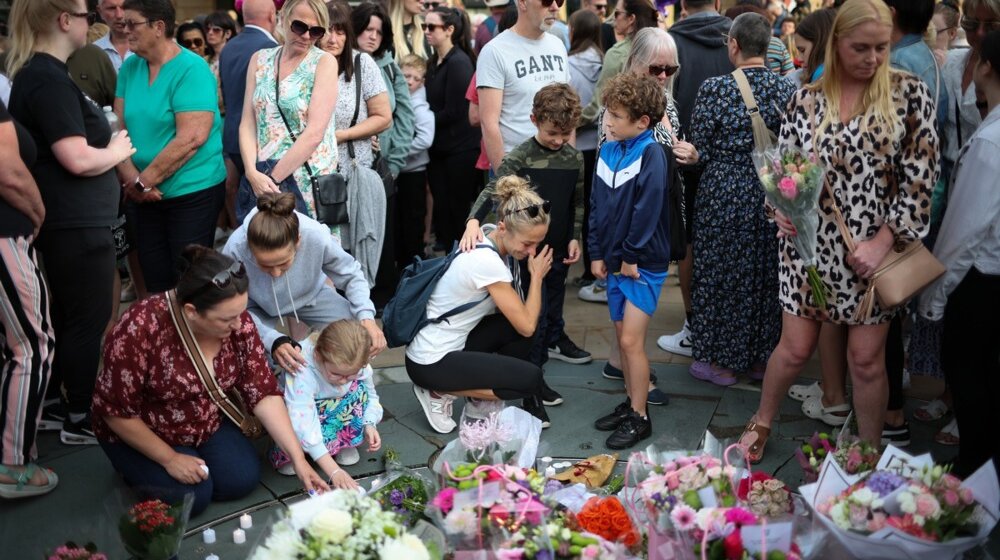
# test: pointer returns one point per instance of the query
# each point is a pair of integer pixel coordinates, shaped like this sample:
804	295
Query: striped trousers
26	349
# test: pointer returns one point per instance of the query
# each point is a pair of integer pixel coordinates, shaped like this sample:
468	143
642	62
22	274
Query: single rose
788	188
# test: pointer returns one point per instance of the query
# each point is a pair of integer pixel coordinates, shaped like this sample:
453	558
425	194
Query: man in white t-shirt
510	71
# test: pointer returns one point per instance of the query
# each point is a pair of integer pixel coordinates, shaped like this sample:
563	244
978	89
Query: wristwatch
137	185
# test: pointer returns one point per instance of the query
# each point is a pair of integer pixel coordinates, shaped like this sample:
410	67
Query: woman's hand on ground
630	270
599	269
311	481
260	183
572	252
785	226
290	358
339	478
373	437
472	236
541	263
186	468
378	337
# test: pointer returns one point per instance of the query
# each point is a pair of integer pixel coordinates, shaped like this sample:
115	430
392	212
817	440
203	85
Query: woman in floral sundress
308	90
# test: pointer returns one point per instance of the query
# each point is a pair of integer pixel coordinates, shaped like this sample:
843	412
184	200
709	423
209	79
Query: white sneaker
597	292
287	469
348	456
437	409
679	343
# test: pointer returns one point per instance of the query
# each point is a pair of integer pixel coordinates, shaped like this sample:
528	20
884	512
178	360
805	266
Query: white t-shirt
465	281
520	67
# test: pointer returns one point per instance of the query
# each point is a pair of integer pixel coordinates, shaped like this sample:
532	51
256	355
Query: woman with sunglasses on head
155	417
296	269
175	182
284	142
451	173
77	154
191	36
476	353
736	316
945	21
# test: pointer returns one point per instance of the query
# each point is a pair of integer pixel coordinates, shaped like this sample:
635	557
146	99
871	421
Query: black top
446	86
47	102
12	222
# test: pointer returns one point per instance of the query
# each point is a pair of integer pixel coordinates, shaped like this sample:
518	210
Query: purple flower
884	483
543	554
396	497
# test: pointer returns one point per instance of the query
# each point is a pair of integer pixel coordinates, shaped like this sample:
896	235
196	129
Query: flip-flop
934	410
22	488
754	439
803	392
948	434
813	408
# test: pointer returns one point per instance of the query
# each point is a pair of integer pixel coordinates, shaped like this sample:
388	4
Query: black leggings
495	357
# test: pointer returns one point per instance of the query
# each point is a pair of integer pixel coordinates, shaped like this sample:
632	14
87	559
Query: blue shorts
644	292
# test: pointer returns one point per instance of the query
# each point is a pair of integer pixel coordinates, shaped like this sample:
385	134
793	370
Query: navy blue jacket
233	63
628	205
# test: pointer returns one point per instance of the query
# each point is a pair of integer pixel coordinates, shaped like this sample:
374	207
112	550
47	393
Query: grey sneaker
348	456
437	409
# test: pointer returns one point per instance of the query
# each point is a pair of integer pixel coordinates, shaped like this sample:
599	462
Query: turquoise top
185	83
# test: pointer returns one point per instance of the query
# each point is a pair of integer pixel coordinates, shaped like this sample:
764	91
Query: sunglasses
600	7
195	43
225	278
214	29
431	5
533	210
619	13
130	25
432	27
91	16
548	3
668	70
970	24
301	28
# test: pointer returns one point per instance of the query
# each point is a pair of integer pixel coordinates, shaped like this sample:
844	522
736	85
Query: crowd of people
321	147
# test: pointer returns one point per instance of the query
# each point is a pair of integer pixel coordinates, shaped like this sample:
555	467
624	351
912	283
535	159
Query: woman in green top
176	179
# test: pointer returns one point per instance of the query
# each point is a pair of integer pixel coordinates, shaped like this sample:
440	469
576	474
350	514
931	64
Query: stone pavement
698	415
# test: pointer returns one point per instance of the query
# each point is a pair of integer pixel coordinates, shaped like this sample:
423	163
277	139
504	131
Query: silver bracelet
333	473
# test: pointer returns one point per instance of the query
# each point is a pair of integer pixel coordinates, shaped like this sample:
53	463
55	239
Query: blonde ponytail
28	20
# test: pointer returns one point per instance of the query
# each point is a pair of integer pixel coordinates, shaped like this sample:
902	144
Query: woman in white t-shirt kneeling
478	353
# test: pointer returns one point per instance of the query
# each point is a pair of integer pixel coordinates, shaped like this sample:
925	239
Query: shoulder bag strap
762	136
357	100
467	306
205	373
277	103
841	224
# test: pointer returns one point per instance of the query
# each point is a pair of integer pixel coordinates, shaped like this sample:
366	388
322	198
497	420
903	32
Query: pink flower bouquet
792	184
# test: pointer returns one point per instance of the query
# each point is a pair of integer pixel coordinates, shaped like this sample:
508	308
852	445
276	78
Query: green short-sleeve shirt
185	83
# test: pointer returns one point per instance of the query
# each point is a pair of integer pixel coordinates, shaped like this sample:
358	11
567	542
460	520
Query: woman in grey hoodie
289	257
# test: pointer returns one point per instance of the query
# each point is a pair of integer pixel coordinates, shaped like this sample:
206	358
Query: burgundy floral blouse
148	375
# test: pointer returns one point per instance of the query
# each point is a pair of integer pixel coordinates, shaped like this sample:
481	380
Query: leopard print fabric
879	177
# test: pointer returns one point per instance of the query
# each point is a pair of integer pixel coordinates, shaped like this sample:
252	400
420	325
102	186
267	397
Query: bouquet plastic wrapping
792	183
494	437
150	528
906	508
560	536
401	490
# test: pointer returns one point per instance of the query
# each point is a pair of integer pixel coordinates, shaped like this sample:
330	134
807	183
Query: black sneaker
613	420
53	416
896	435
566	351
78	433
657	397
611	372
534	407
632	430
549	395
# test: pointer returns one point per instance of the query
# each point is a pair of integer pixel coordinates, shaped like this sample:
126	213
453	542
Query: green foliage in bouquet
152	530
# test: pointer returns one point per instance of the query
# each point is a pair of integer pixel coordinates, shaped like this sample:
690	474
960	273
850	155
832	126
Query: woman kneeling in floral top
154	417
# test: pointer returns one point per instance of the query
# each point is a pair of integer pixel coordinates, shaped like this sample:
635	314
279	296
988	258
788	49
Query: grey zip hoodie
319	256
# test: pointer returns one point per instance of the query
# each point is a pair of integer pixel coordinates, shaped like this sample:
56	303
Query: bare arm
474	119
274	416
321	106
84	160
193	128
379	119
182	467
17	186
259	182
523	316
127	171
490	103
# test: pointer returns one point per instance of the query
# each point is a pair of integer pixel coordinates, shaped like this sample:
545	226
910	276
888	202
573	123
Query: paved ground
699	415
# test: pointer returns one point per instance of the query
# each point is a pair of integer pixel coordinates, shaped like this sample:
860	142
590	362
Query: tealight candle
211	557
246	521
239	537
208	536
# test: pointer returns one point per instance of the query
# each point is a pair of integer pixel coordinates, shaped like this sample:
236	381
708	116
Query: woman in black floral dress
736	319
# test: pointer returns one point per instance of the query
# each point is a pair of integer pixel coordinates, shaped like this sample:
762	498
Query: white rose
863	497
332	524
461	522
407	547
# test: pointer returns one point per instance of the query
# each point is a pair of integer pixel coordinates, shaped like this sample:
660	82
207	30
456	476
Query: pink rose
951	498
927	505
672	481
966	495
788	188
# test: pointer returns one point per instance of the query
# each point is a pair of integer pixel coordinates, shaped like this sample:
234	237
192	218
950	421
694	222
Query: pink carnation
445	499
740	517
788	188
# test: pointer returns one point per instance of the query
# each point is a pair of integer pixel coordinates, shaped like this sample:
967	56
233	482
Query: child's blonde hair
415	62
345	343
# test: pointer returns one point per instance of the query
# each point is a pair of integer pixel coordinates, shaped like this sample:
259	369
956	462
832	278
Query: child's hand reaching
599	269
573	252
630	270
373	437
472	236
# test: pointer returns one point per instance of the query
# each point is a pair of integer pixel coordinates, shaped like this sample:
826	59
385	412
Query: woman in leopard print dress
878	144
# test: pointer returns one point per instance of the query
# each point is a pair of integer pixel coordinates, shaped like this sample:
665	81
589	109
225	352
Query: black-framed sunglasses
619	13
91	16
548	3
669	70
428	6
301	28
600	7
214	29
195	43
432	27
971	25
224	279
533	210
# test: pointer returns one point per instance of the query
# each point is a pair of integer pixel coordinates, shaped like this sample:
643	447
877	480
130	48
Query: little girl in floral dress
332	402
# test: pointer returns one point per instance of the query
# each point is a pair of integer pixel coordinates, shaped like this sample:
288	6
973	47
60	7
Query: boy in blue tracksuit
628	238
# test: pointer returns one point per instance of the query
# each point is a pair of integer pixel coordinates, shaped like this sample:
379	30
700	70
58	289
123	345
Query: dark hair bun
191	255
279	204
